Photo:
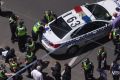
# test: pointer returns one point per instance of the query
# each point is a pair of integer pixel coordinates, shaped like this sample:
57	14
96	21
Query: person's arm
111	68
110	35
9	74
41	77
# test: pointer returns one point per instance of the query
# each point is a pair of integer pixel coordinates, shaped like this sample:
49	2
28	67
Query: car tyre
72	50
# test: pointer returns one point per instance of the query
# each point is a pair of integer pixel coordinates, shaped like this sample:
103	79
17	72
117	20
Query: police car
78	27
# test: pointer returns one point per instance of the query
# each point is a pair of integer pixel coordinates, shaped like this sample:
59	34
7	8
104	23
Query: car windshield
99	12
60	27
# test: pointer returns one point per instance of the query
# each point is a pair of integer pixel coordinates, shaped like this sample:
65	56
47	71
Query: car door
90	32
97	30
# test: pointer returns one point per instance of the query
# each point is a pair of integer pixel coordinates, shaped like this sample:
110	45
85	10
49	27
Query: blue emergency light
86	18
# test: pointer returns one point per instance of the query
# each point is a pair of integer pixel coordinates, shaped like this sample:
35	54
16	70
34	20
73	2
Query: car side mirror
86	3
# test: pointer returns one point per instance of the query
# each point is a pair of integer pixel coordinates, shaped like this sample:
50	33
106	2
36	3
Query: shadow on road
6	14
82	49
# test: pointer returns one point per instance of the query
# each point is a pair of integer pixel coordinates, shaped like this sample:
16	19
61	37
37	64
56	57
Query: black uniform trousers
34	36
88	74
13	27
41	33
117	51
100	62
22	42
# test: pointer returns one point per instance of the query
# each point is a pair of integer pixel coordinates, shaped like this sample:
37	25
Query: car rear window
60	27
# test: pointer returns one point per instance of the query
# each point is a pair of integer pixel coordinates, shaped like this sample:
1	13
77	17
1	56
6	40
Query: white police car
78	27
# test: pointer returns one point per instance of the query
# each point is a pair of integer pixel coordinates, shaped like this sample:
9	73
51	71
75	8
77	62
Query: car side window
88	28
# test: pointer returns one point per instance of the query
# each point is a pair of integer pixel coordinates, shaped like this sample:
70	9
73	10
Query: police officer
113	34
117	47
49	16
31	45
13	25
115	70
117	44
35	30
2	75
41	31
30	57
14	66
56	71
21	34
67	74
101	57
88	69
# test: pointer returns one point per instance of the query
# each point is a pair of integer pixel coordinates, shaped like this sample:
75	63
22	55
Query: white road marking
73	60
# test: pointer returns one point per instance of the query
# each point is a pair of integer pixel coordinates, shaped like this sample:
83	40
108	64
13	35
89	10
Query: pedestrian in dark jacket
115	71
13	21
67	74
56	71
10	54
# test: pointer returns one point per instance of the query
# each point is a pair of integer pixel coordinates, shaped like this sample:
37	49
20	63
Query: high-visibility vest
32	46
13	65
101	53
29	56
115	32
36	27
21	31
86	66
49	17
2	74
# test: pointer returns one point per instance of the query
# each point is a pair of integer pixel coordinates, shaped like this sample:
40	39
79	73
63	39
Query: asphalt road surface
31	11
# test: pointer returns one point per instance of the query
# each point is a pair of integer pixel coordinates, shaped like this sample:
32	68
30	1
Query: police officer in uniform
22	35
13	25
115	70
113	34
14	66
88	69
101	57
49	16
30	57
117	44
41	31
117	47
30	45
35	30
2	75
